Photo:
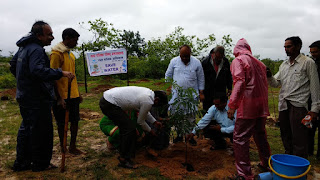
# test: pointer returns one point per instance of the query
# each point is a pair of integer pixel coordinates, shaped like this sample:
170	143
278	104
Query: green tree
226	42
169	47
153	56
104	35
132	41
272	64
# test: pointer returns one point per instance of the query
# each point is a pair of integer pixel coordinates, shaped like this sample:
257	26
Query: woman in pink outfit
250	98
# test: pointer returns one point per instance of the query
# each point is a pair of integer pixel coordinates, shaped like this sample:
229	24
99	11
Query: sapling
183	109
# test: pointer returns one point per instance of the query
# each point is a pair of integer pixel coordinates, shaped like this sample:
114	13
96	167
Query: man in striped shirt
298	79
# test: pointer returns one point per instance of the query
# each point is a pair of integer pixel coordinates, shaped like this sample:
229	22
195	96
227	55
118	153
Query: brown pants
293	133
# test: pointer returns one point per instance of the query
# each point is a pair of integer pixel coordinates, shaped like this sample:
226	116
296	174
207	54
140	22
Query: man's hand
313	115
231	113
61	102
189	136
157	124
269	73
81	98
201	95
215	127
153	133
229	92
67	74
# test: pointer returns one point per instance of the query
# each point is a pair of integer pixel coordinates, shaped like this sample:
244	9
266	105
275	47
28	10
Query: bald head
185	53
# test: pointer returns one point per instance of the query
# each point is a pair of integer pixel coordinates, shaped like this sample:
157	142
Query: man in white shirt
114	103
298	79
187	72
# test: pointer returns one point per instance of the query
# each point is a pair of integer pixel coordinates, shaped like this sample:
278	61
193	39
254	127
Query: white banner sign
107	62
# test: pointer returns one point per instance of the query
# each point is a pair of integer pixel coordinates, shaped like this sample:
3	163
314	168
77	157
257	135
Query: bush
7	81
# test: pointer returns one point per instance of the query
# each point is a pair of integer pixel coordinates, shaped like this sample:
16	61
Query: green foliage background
146	59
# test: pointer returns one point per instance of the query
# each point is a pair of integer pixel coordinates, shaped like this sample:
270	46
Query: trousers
244	129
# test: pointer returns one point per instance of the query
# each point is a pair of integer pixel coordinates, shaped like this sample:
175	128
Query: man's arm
273	82
170	70
143	115
239	79
314	86
206	119
13	64
229	75
38	69
200	77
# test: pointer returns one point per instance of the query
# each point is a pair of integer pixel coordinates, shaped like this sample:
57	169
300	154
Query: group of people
42	84
212	81
244	115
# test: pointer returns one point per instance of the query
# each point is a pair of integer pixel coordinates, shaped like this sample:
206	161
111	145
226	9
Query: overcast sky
264	23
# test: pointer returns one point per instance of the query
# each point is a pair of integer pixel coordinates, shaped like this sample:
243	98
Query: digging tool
66	119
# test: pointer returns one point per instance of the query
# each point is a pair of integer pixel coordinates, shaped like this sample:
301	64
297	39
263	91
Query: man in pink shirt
250	98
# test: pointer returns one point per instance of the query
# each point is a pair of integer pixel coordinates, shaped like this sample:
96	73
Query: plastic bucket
286	166
265	176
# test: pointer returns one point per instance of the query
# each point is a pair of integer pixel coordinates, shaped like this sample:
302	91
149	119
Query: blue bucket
286	166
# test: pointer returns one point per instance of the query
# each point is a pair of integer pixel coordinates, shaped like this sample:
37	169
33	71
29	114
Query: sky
264	23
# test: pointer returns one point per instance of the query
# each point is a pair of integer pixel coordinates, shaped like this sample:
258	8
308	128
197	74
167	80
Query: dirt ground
207	164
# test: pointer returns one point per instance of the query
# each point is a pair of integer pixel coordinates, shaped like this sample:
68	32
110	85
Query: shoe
18	168
42	168
236	177
178	139
193	142
264	168
240	178
126	164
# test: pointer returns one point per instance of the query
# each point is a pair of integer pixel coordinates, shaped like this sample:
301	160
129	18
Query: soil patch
159	83
100	89
140	80
206	163
8	94
87	114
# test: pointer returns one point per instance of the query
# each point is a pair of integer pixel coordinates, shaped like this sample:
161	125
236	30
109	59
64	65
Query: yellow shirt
66	61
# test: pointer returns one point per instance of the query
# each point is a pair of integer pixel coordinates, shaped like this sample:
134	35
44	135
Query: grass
95	164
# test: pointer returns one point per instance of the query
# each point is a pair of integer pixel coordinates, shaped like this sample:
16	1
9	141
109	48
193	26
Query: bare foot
110	146
75	151
152	152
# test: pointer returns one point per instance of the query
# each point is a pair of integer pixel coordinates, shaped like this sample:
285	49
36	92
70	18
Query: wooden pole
84	67
64	149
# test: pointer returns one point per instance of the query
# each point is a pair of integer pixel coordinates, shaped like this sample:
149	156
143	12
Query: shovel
66	119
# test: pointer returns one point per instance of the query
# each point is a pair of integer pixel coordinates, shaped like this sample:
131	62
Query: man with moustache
35	94
315	53
187	72
298	79
218	78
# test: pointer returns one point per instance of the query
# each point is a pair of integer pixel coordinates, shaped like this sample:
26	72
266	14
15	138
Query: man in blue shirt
187	72
215	123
